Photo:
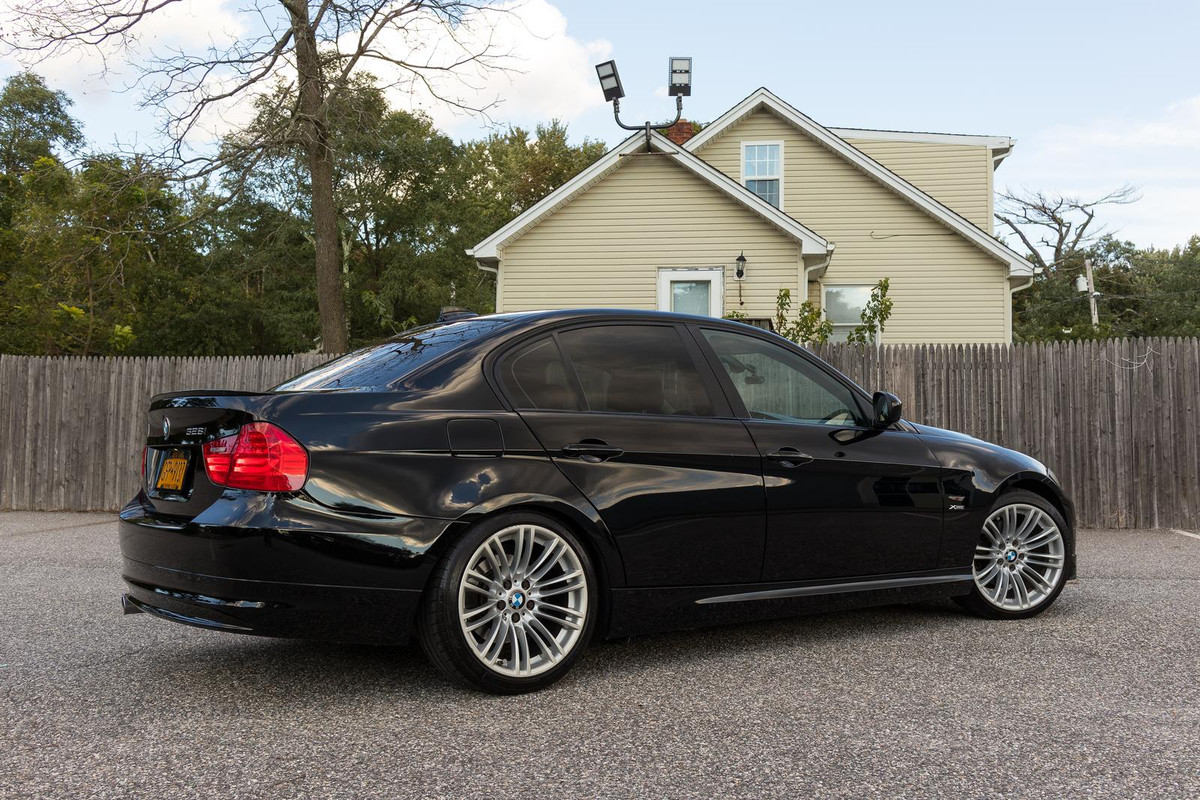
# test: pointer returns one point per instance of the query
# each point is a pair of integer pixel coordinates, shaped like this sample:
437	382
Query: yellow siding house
823	212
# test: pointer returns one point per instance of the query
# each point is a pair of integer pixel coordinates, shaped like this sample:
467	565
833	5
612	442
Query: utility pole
1091	290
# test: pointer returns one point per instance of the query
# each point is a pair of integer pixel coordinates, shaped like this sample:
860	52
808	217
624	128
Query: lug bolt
516	617
500	604
507	583
525	583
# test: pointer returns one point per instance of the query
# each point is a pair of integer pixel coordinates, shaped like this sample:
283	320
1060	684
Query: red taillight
260	456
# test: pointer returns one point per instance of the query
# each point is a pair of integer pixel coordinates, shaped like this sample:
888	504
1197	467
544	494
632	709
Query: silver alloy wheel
1020	557
523	600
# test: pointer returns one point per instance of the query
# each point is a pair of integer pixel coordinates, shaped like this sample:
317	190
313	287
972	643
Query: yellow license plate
170	477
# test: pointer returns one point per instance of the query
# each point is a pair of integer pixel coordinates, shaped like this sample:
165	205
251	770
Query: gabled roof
487	251
762	98
928	137
1000	147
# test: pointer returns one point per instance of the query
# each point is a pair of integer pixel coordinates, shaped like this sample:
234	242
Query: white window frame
779	177
716	291
825	287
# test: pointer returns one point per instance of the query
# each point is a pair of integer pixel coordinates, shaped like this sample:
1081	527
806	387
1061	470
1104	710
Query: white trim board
924	138
487	252
1018	266
742	167
716	285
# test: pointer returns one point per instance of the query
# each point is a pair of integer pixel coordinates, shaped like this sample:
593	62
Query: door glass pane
536	377
636	369
691	297
775	383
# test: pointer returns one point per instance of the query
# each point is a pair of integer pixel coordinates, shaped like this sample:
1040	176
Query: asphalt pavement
1099	697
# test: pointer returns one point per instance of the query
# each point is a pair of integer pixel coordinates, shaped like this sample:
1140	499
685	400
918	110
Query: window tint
535	377
776	383
638	369
378	366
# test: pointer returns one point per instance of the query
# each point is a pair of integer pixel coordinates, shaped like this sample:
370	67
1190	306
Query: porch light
679	82
740	272
610	81
679	86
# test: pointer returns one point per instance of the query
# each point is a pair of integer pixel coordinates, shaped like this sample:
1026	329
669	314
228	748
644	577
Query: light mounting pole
1087	283
679	86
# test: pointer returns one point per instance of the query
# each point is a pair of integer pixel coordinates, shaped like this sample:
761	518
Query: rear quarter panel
381	453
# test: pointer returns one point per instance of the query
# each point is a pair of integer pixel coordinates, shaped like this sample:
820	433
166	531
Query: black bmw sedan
507	487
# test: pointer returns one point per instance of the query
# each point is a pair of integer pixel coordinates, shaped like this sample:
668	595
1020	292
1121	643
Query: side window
775	383
636	369
535	376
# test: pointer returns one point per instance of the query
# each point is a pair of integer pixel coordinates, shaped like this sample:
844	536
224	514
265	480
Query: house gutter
822	265
481	265
1008	327
1025	285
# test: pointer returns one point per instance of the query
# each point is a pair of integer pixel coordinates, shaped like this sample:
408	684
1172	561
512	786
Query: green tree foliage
95	244
1150	292
506	173
34	123
810	327
410	201
110	257
874	315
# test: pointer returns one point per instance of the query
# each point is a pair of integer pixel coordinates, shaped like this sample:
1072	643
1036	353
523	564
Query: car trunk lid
178	426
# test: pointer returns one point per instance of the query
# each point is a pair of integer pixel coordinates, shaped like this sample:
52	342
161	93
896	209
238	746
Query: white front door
692	291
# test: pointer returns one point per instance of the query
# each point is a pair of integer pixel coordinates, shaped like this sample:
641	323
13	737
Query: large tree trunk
314	133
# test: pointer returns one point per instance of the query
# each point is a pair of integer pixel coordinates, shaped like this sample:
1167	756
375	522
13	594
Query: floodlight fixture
679	86
679	82
610	81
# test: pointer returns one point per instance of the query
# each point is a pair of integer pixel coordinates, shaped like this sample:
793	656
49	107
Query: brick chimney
683	130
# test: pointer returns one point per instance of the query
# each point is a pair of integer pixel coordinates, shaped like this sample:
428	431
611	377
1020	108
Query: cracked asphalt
1099	697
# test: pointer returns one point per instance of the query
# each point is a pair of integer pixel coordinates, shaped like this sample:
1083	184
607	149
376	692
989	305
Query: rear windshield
378	366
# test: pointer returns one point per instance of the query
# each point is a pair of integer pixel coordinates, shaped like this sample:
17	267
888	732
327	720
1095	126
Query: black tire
981	606
442	635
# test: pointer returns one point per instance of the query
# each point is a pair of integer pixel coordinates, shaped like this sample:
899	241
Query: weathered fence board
1118	421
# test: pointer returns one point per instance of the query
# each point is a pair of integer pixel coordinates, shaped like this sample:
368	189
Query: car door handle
789	457
592	452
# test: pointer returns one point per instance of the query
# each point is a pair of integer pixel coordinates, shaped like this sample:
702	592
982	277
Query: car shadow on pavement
298	673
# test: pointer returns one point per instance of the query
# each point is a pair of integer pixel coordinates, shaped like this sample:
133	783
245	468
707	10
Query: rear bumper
267	608
278	566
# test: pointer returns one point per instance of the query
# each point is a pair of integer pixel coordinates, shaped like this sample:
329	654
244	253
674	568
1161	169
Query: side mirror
888	409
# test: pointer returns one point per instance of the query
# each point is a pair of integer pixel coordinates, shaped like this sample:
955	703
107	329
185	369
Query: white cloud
1178	127
101	79
190	26
542	73
1160	155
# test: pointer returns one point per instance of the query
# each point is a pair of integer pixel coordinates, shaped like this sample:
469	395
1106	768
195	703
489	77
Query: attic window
762	170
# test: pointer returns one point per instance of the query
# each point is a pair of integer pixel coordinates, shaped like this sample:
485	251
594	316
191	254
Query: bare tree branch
1062	225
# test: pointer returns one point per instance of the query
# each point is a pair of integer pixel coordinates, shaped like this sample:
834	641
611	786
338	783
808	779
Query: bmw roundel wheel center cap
516	600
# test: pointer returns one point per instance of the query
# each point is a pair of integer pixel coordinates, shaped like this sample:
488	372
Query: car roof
567	314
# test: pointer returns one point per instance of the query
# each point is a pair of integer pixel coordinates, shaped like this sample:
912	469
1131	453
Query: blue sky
1097	94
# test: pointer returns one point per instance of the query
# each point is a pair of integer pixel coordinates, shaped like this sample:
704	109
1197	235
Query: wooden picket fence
1117	420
